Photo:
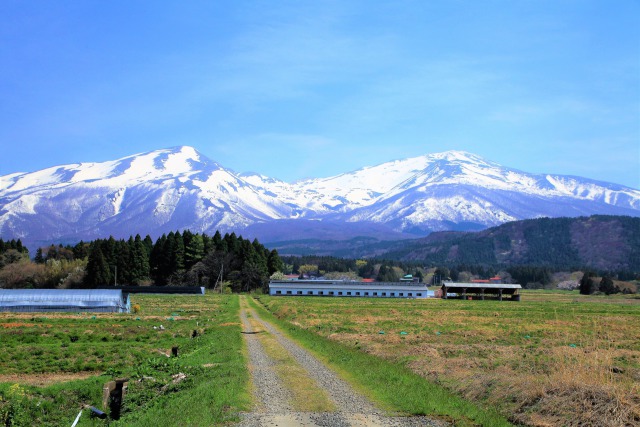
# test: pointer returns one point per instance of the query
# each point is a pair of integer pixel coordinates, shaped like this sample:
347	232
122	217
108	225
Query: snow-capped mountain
179	188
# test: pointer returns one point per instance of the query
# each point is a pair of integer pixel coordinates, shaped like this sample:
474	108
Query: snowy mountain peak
178	188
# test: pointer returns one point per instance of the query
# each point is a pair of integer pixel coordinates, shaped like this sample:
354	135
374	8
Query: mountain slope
599	242
178	188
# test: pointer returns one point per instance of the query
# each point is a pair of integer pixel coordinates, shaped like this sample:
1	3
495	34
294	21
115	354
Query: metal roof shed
480	290
71	300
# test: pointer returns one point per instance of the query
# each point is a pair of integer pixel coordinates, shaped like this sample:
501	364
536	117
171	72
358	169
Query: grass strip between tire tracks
394	386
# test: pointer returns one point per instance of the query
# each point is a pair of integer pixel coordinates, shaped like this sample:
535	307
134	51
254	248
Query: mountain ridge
179	188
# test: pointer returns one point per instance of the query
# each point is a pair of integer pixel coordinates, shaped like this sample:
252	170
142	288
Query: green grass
127	345
397	388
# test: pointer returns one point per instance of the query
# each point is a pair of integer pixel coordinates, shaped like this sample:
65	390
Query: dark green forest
600	243
176	259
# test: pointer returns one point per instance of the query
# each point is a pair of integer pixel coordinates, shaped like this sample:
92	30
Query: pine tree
158	261
194	251
177	253
587	285
148	245
142	259
81	250
122	270
39	259
98	274
274	262
216	240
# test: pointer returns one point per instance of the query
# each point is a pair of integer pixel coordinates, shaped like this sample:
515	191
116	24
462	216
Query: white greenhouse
79	300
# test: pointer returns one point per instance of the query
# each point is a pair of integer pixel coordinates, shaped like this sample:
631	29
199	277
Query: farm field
53	363
555	358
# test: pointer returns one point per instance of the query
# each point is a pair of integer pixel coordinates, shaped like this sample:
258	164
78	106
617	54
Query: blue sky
296	89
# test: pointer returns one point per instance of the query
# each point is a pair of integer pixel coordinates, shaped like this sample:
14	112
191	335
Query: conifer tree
177	253
587	285
274	262
141	259
39	259
98	273
148	245
216	240
158	261
80	250
194	250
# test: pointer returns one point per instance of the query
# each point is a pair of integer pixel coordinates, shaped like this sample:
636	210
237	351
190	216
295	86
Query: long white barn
343	288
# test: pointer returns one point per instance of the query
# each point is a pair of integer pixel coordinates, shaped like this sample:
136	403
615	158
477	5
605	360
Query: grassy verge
205	385
393	385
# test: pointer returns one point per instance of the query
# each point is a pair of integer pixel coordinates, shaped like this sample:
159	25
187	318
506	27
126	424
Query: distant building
342	288
495	279
481	291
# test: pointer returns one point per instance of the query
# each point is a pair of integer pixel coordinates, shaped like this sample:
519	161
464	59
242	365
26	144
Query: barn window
348	293
278	292
410	294
320	292
339	293
419	294
309	292
384	294
288	292
331	293
299	292
358	293
401	294
375	294
393	294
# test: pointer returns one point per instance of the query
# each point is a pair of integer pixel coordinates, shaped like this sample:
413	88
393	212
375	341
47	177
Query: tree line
177	259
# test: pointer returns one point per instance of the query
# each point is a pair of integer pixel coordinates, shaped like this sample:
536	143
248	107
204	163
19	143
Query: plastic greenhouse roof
60	295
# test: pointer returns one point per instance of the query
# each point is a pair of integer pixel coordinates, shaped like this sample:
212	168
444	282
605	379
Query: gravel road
272	408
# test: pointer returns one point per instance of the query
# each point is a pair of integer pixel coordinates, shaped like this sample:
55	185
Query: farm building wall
339	288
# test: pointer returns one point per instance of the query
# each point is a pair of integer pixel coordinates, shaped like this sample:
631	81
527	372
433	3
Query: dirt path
277	404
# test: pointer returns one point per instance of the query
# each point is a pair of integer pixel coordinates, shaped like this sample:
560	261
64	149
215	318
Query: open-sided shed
35	300
480	291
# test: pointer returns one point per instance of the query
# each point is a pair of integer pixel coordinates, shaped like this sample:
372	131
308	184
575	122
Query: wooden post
113	394
106	392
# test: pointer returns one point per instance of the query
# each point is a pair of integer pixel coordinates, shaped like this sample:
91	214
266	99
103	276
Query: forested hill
607	243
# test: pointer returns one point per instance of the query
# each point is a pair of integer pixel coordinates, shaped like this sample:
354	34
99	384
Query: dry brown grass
46	379
552	359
